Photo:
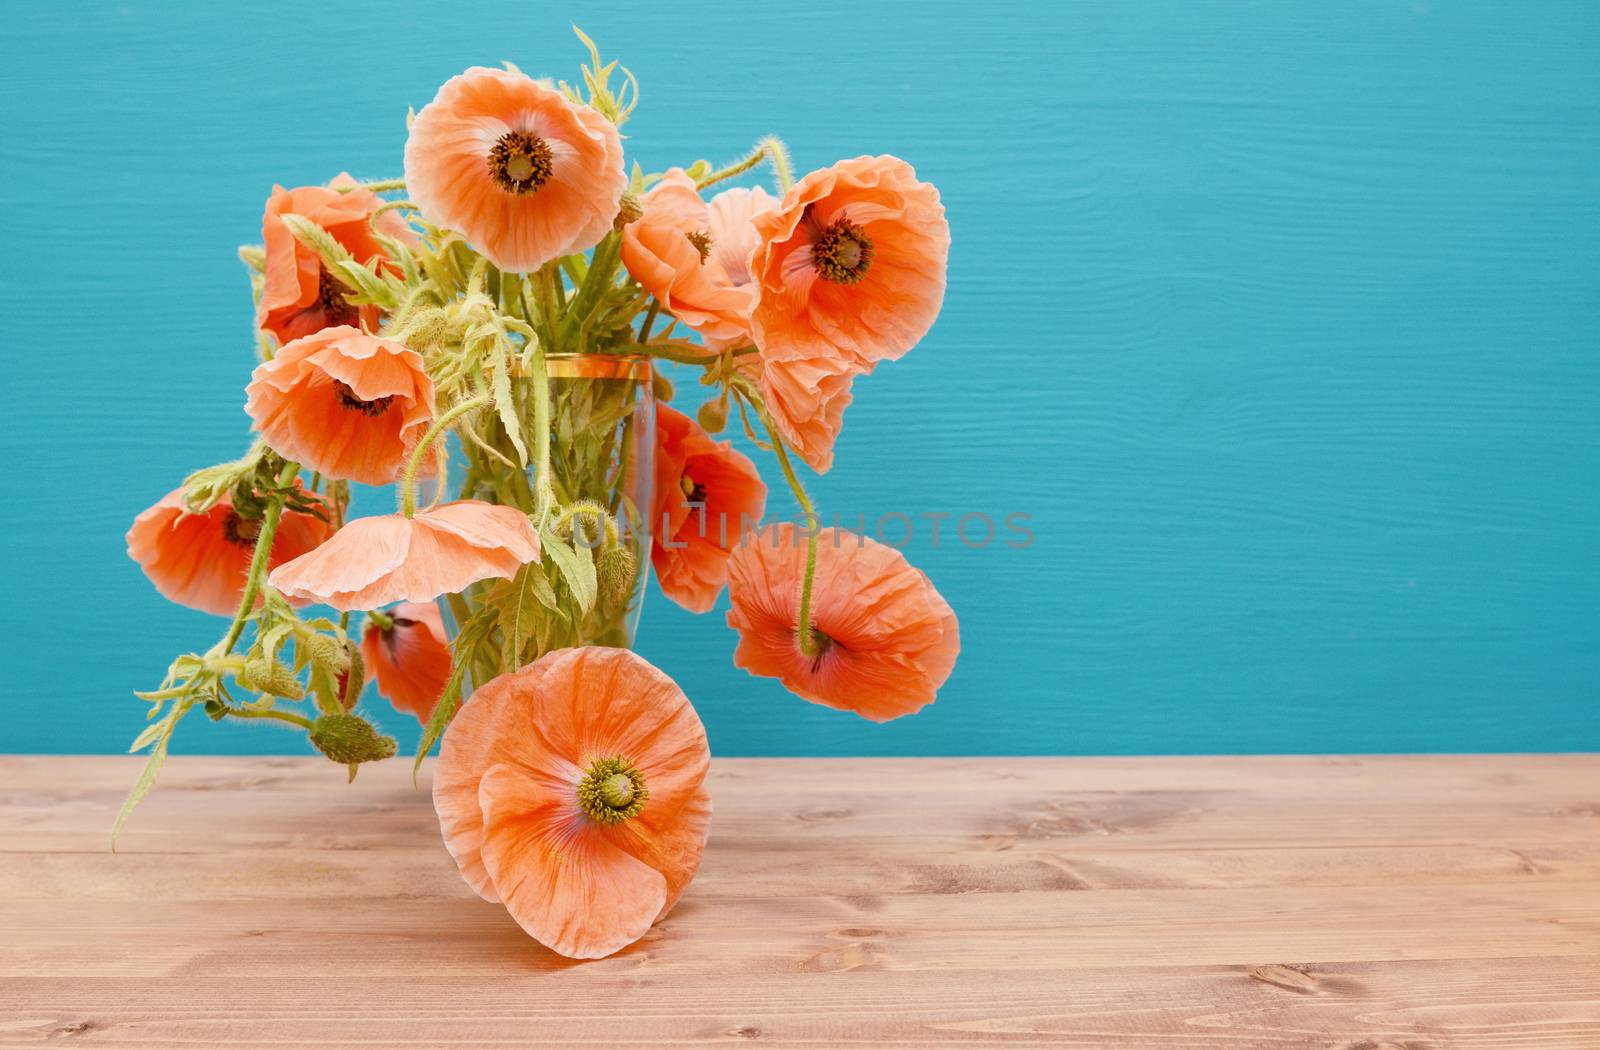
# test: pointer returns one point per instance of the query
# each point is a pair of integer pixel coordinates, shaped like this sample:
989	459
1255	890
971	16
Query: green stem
649	320
258	560
385	185
544	494
684	352
408	486
281	716
805	631
770	148
595	284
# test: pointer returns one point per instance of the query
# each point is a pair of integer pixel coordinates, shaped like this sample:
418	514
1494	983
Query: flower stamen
612	790
842	252
701	239
241	532
331	300
520	163
348	399
693	491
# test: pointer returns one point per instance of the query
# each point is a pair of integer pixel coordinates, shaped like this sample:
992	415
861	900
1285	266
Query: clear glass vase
602	452
602	444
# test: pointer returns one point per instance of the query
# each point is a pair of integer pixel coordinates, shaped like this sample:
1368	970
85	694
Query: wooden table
1385	902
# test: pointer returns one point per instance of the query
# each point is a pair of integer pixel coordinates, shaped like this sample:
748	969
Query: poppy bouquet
487	335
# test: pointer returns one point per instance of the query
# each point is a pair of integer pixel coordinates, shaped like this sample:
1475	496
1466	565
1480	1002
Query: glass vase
602	444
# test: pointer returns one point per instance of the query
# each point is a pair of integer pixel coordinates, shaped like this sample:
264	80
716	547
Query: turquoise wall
1280	319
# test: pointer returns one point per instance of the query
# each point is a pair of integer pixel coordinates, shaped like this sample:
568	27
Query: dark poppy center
520	163
842	252
240	532
331	299
701	239
348	400
693	491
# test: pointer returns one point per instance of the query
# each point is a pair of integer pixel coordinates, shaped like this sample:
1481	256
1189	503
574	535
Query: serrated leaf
505	403
516	616
577	568
152	769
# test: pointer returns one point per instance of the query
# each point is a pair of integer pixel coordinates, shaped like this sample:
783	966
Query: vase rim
598	366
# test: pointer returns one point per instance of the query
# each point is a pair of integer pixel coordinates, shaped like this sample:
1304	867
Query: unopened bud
428	328
614	572
713	416
630	210
354	678
329	652
661	386
350	740
270	677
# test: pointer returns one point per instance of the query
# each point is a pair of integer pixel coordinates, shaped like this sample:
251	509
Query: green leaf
152	768
505	403
577	568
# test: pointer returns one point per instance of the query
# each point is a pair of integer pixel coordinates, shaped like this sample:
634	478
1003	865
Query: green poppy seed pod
270	677
350	740
661	385
614	572
630	210
713	416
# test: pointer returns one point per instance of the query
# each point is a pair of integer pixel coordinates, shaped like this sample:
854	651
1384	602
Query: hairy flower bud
271	677
713	416
354	679
614	571
327	651
350	739
661	386
630	211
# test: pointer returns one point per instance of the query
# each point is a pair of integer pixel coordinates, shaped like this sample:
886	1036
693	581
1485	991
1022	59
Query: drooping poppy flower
706	495
410	658
573	792
806	396
300	297
524	173
344	403
202	560
372	562
851	261
705	492
888	639
695	258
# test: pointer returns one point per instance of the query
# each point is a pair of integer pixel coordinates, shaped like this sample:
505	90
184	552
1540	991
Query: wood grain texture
1381	903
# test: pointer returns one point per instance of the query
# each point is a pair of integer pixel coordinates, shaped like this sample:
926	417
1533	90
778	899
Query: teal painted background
1280	319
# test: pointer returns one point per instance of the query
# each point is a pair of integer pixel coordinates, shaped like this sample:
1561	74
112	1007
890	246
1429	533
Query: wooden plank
1374	902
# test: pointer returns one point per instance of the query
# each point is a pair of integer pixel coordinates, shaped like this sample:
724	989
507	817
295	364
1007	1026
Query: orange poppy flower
573	791
806	395
344	403
300	297
888	639
202	560
372	562
525	174
411	658
694	258
704	493
851	262
849	271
